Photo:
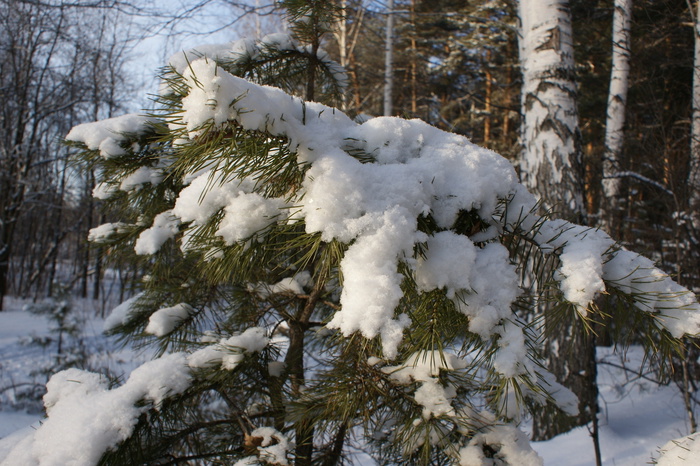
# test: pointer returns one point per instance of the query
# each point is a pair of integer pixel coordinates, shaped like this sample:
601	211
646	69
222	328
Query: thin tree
389	59
615	121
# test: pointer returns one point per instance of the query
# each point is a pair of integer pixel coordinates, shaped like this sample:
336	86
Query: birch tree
617	104
389	59
551	166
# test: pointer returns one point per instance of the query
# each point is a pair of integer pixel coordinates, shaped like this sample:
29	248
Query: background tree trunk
389	60
611	217
551	166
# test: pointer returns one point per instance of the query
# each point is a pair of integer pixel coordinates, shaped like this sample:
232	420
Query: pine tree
316	286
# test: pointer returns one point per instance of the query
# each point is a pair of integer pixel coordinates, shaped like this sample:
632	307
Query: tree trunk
487	103
414	62
611	217
389	59
551	164
552	167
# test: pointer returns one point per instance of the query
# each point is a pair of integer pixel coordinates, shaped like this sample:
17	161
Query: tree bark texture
615	121
551	166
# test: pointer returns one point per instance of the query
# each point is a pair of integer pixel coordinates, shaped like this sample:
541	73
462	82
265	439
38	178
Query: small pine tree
317	287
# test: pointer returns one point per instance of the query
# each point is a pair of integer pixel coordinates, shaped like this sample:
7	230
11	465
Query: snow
104	191
165	226
638	418
85	418
139	177
243	49
294	285
82	408
425	367
513	448
237	225
680	452
20	361
106	135
164	320
449	260
120	314
273	446
104	231
489	301
229	352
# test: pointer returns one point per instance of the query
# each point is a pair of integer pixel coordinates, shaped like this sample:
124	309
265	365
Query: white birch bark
389	60
341	36
551	162
551	166
617	99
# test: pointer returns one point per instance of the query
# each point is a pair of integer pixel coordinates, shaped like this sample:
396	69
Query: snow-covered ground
638	416
28	344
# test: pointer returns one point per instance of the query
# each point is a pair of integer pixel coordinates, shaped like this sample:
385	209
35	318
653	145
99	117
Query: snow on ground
26	365
638	416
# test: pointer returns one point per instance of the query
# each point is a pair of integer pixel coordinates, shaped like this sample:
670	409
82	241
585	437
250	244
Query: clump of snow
164	321
489	301
228	51
591	261
139	177
209	96
104	231
246	215
424	367
680	452
104	190
203	198
85	419
278	41
290	285
510	357
229	352
244	49
448	263
506	443
165	226
274	446
106	135
120	314
675	309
